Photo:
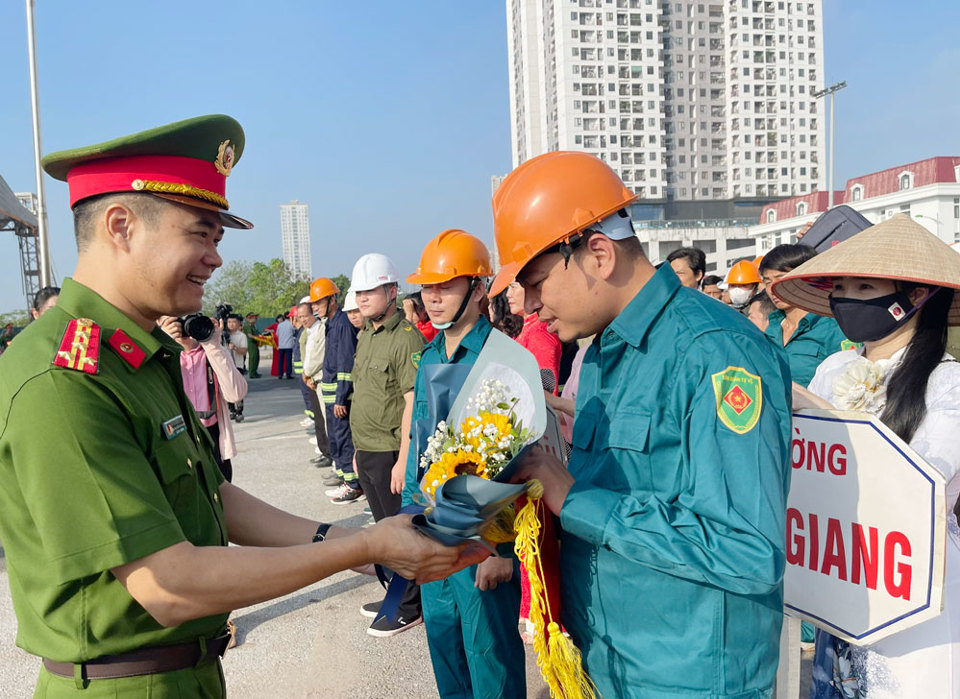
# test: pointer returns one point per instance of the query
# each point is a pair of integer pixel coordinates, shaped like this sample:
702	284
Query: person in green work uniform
383	374
807	338
672	511
253	349
116	529
471	617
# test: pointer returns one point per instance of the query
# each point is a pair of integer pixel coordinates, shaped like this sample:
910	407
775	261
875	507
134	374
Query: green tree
231	285
343	283
273	288
18	318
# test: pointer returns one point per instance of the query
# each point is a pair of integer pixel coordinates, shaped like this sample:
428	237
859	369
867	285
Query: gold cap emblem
224	161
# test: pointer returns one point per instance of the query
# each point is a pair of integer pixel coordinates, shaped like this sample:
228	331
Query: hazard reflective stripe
344	376
327	387
330	399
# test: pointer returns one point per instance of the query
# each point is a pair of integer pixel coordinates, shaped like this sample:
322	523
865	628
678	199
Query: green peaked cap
199	138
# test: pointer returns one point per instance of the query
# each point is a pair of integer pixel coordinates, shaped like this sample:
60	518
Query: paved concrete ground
312	643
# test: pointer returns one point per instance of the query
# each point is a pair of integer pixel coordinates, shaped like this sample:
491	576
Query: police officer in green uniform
253	349
113	514
673	508
384	370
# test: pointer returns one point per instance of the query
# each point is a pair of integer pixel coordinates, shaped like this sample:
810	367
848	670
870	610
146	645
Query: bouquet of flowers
500	413
485	442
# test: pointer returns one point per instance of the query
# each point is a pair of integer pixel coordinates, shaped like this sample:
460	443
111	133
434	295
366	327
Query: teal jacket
435	352
815	339
673	533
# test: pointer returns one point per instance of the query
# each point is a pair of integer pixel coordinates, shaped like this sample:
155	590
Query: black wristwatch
321	533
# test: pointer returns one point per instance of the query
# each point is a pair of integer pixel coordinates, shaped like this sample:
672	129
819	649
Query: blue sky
387	118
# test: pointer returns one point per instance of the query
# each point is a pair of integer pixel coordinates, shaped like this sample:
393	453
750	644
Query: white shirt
937	439
239	341
314	351
922	661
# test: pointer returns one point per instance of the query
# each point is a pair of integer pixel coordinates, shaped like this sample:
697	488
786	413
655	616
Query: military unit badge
739	398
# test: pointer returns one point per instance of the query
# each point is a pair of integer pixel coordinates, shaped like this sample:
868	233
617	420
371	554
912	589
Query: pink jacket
231	387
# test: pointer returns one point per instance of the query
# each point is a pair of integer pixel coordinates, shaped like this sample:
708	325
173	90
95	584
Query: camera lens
199	327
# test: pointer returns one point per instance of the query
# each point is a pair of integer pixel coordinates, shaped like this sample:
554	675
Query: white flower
861	387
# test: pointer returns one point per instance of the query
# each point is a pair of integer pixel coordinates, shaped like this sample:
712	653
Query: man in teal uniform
672	511
807	338
471	617
113	513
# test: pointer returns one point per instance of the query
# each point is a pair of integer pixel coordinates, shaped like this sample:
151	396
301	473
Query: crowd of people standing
678	404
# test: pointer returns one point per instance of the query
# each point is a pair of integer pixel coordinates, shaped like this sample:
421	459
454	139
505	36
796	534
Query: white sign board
866	528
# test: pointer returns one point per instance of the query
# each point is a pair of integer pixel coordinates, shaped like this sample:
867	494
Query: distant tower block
295	230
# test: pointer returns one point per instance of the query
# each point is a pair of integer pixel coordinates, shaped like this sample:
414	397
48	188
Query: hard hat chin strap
463	306
386	308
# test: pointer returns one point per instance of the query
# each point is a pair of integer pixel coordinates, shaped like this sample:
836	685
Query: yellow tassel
501	529
559	660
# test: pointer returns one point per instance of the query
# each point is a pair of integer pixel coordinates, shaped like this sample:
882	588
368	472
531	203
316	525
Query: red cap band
109	175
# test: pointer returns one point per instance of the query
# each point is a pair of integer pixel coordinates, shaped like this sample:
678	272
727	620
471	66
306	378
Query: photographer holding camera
211	379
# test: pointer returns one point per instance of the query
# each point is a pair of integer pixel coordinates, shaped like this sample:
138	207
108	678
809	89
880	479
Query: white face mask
740	295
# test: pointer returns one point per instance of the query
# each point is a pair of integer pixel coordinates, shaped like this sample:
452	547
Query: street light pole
932	218
46	278
817	95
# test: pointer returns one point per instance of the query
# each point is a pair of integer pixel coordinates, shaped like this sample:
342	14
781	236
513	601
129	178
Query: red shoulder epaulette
80	347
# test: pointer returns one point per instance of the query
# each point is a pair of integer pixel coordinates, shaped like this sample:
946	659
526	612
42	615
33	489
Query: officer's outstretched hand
396	544
551	472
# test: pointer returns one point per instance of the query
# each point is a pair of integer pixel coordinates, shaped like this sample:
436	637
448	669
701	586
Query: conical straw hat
898	249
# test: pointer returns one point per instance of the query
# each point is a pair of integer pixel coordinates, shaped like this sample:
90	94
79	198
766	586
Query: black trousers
318	424
374	468
226	468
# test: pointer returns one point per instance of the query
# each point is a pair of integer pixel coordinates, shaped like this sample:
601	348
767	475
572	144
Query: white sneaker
336	492
313	440
306	422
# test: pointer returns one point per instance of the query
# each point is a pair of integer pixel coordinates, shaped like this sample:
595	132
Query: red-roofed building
928	190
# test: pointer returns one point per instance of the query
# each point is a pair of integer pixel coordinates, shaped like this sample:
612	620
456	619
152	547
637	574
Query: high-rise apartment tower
295	232
685	100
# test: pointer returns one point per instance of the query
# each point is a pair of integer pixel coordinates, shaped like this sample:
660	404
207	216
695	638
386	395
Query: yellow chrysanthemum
450	465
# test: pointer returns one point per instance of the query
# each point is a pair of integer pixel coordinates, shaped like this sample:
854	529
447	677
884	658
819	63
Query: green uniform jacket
383	372
92	476
673	533
815	339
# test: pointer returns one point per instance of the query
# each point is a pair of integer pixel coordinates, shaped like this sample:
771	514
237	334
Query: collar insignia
128	350
80	347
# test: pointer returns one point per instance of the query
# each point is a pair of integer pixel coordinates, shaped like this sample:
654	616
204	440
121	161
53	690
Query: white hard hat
373	270
305	299
350	301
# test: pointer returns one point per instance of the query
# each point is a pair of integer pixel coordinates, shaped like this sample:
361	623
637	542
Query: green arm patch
415	358
739	398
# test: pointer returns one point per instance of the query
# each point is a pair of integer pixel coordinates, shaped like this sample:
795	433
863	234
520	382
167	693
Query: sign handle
788	672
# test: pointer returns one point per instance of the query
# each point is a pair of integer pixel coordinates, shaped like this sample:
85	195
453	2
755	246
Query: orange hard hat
322	288
545	201
453	253
757	261
744	272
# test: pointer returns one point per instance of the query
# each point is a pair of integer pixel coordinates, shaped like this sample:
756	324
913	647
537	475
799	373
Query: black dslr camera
199	327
